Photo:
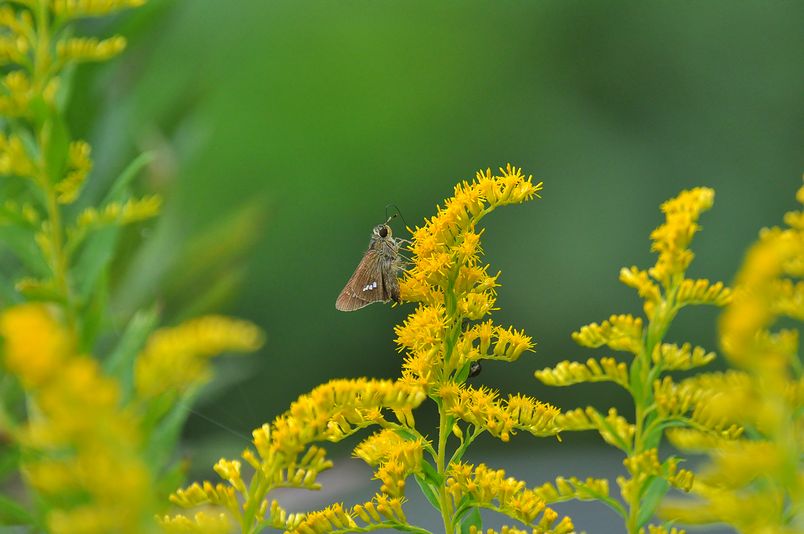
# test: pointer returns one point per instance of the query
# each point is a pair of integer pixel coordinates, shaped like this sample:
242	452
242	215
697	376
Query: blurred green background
283	128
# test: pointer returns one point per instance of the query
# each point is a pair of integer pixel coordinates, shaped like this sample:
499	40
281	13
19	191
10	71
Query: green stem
444	501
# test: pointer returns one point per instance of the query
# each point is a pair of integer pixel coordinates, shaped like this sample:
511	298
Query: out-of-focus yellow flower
89	48
177	358
755	481
79	164
34	344
78	440
91	8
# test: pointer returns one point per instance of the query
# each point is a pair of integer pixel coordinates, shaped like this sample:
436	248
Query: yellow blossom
34	344
200	523
91	8
672	238
489	488
175	359
754	480
79	164
619	332
81	439
89	48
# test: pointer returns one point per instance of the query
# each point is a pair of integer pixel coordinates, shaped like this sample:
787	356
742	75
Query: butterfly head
382	231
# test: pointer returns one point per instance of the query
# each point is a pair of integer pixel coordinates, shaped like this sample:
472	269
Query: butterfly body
375	279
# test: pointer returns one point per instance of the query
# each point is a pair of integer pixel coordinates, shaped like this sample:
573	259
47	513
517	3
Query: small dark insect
375	278
474	369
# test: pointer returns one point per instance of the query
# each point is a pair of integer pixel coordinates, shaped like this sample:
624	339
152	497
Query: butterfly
375	278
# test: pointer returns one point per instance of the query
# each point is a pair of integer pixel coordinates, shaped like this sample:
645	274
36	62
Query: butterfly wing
366	284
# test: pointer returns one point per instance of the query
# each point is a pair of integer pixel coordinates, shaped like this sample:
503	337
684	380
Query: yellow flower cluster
396	457
452	286
381	510
282	455
645	466
755	481
492	489
603	370
69	451
481	408
176	359
671	240
443	338
659	402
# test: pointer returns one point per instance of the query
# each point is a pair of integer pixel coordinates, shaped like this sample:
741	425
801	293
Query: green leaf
651	497
120	363
431	474
120	185
13	513
8	294
428	491
166	431
22	243
9	460
173	477
472	519
94	258
94	313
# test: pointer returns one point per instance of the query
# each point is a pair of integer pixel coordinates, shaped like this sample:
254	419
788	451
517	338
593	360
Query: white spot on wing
370	286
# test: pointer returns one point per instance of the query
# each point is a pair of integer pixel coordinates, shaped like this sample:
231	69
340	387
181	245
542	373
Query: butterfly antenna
397	212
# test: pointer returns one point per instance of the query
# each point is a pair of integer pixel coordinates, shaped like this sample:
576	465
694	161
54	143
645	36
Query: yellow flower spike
177	358
13	49
89	48
79	165
70	9
15	94
661	529
672	238
703	292
200	523
674	358
14	158
619	332
566	373
229	470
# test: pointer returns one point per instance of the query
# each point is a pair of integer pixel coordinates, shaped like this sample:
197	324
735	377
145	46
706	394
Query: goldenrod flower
174	359
80	441
34	344
200	523
441	343
78	164
659	402
492	489
754	480
91	8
